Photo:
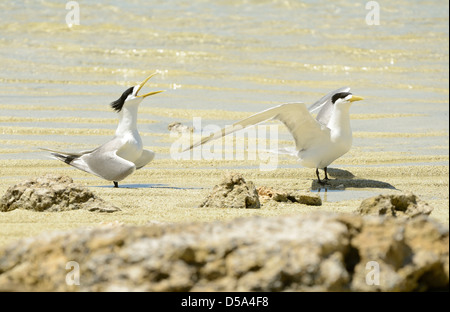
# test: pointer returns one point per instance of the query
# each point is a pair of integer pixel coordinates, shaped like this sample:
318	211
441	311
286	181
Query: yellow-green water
221	61
238	55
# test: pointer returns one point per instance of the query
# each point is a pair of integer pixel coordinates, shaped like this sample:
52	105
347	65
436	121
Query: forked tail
65	158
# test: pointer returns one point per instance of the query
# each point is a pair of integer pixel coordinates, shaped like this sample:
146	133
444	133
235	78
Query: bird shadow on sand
341	179
149	186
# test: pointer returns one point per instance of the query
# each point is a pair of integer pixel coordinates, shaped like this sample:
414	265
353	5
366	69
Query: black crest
340	95
118	104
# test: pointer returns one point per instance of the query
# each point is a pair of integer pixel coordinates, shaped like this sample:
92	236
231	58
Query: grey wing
324	107
250	121
303	127
73	154
67	157
295	116
104	162
146	157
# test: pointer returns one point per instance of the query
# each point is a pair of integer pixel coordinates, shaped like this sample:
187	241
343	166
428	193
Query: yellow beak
143	83
355	98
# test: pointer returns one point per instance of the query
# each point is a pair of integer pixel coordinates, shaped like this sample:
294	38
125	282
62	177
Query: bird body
318	141
337	142
124	153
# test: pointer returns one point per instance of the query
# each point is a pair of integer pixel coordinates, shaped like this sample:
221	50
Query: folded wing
107	165
102	161
324	106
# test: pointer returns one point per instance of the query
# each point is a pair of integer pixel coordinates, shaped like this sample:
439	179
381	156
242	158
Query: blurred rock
309	252
268	193
233	192
306	198
409	254
404	205
52	193
179	127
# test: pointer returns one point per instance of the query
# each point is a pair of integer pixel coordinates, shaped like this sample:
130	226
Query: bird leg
116	184
324	181
326	174
318	176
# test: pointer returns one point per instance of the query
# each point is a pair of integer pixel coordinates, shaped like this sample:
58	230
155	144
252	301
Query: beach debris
179	127
52	193
318	251
233	192
111	223
300	197
403	205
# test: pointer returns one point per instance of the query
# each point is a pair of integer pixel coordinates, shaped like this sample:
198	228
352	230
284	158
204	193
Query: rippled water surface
238	55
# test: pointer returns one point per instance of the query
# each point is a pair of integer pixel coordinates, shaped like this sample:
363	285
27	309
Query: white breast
132	147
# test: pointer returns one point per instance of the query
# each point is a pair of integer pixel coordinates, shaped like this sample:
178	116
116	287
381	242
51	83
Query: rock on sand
403	205
52	193
300	197
308	252
233	192
178	127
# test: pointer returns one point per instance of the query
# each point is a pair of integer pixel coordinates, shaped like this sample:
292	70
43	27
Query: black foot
326	174
325	180
116	184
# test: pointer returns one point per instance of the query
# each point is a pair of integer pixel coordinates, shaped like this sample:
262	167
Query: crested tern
318	141
124	153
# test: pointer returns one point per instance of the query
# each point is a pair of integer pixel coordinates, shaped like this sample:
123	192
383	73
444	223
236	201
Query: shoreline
169	190
157	194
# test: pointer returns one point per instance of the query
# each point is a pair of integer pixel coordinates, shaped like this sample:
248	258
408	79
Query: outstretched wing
303	127
324	107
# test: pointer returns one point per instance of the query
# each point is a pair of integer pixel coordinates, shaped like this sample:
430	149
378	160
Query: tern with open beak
318	141
124	153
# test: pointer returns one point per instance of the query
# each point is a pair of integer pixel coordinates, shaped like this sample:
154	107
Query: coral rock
233	192
308	252
404	205
52	193
305	198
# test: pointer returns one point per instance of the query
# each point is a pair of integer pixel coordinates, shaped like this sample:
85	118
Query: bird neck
127	120
339	123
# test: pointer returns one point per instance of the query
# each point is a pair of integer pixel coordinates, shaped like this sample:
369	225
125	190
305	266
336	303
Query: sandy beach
170	190
220	62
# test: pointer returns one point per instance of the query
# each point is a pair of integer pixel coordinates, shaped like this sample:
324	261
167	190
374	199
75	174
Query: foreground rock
313	252
404	205
233	192
52	193
305	198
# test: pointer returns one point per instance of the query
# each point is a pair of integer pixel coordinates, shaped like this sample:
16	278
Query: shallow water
238	55
340	195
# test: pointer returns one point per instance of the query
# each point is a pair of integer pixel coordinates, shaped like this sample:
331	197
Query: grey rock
178	127
299	197
403	205
308	252
52	193
233	192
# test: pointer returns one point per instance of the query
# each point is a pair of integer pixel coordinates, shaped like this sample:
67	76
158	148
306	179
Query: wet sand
168	190
222	61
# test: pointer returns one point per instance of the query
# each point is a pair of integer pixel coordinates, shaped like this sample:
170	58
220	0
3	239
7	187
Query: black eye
340	95
118	104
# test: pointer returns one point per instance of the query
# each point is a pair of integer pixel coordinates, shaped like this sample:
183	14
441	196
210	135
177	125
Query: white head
131	98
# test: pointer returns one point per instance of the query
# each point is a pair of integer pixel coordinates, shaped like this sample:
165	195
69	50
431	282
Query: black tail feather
65	158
